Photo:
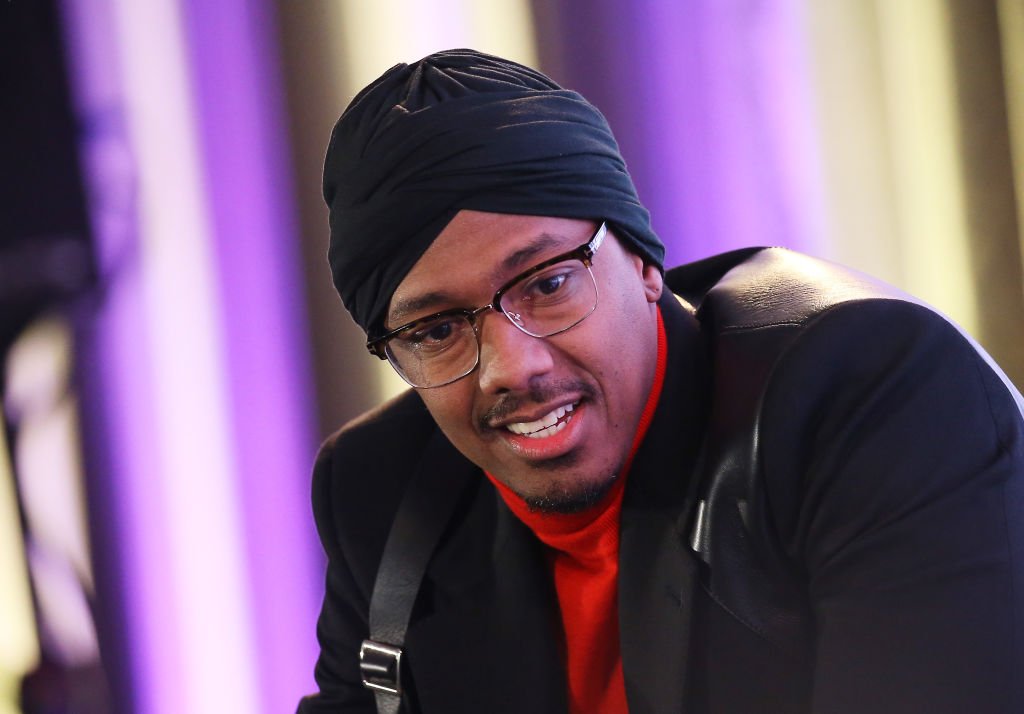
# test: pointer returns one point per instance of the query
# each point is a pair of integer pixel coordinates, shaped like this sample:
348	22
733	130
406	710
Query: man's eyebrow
439	299
417	303
517	260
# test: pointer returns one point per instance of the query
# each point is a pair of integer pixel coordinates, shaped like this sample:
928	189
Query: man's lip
535	449
535	415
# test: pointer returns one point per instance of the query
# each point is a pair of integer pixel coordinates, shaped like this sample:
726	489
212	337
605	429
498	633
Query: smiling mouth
548	425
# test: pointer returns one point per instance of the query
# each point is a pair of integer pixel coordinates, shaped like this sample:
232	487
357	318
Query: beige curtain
922	140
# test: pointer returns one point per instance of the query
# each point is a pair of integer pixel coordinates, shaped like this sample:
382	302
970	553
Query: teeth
550	431
542	427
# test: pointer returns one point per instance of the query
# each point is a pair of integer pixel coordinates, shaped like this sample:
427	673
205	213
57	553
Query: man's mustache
538	392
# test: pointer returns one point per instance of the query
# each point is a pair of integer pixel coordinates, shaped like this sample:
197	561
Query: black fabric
422	517
463	130
868	477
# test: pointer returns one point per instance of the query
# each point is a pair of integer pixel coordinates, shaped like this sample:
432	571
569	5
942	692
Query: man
757	483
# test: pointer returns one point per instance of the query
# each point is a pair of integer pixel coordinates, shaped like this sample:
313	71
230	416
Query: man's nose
510	358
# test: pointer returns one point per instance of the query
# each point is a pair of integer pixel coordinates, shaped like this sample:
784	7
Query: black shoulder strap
425	510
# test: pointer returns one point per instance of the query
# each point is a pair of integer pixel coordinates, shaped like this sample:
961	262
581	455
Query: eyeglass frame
584	253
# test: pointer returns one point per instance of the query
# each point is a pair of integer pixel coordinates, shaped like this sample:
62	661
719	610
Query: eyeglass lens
541	304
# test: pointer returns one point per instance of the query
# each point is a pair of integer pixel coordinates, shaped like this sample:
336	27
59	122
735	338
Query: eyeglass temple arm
597	240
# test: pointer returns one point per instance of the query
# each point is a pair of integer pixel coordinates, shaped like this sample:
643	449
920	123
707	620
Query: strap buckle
380	666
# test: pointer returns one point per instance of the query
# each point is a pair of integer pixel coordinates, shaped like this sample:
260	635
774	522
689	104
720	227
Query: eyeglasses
547	299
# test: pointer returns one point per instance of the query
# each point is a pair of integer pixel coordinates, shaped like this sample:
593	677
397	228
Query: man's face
595	377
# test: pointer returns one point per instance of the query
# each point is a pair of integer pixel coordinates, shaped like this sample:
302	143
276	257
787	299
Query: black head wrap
463	130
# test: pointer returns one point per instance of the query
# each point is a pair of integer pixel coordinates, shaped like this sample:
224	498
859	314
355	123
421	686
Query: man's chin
570	499
565	484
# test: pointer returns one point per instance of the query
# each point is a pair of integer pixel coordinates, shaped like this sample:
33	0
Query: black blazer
825	516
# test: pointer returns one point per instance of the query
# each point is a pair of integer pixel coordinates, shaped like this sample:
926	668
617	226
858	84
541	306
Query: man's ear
654	282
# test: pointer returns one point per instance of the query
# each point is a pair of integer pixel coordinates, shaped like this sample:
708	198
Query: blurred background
171	348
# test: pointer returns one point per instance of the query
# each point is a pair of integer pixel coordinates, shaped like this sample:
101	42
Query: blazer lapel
657	570
656	589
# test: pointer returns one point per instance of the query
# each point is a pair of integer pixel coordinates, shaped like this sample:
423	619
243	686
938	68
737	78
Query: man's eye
555	284
440	332
550	284
433	334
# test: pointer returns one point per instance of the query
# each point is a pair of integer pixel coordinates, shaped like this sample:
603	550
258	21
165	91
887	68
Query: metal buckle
380	666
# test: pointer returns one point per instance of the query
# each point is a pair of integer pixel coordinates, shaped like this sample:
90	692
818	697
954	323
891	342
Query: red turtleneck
583	551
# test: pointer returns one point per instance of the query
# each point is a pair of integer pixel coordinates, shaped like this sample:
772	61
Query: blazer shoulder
404	414
373	454
799	346
362	471
776	286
